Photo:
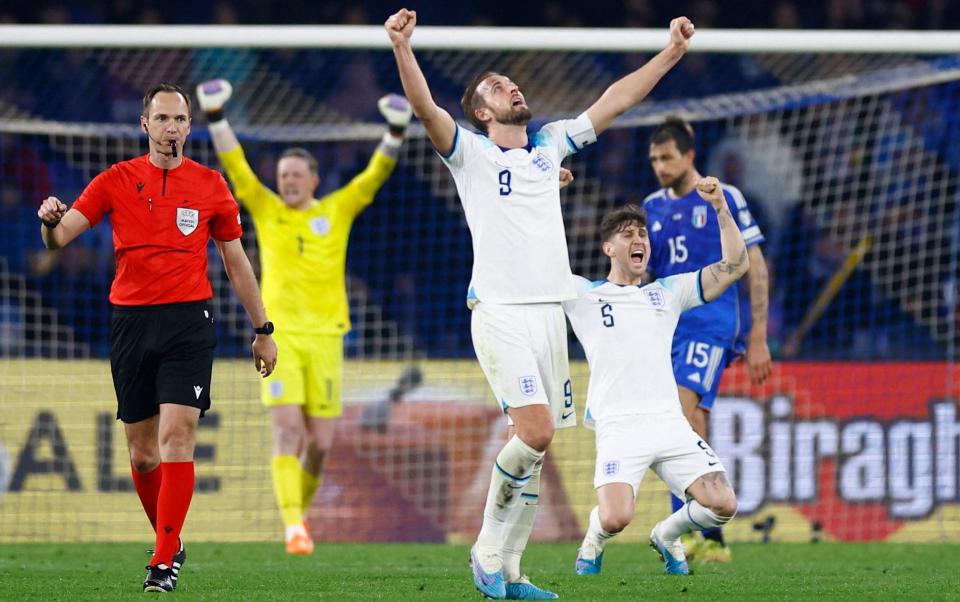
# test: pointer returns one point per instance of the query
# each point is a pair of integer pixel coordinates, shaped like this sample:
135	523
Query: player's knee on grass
724	504
718	496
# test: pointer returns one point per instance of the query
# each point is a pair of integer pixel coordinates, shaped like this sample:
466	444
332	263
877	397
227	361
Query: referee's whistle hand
264	354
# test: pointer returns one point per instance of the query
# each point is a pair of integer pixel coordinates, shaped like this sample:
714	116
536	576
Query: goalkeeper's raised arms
213	95
396	110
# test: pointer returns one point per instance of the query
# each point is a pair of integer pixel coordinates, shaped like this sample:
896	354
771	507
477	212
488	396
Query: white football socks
692	516
511	473
596	537
519	526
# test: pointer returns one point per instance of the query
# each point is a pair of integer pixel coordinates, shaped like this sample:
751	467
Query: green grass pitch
406	572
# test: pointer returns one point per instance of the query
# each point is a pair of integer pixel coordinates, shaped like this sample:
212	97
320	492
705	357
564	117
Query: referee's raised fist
51	209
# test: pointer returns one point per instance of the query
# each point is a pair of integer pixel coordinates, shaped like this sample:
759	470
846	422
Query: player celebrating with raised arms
508	182
683	237
626	329
303	251
164	209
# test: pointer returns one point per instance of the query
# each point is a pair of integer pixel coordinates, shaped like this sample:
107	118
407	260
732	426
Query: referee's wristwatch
267	328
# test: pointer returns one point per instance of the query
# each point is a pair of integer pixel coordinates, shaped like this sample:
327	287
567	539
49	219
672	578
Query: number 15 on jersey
678	249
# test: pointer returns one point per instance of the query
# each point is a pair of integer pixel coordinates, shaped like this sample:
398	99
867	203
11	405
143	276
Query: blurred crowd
780	14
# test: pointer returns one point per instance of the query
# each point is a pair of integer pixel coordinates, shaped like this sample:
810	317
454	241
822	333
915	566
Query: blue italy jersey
684	237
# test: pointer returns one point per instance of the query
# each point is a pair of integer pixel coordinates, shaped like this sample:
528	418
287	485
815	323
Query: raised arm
631	89
60	225
244	283
212	96
440	126
717	277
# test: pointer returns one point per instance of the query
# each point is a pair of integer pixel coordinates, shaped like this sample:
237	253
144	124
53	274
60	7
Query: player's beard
515	116
675	182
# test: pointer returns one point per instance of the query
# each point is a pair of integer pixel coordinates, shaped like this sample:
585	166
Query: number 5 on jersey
606	311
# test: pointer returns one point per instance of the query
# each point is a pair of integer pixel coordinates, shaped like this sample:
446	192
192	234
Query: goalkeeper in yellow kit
303	249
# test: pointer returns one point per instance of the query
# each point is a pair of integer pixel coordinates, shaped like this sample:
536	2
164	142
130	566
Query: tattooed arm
717	277
758	353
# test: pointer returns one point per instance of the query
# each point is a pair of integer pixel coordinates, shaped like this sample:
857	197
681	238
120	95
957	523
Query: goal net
849	163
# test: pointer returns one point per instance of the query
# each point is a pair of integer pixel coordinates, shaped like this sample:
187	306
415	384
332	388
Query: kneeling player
632	400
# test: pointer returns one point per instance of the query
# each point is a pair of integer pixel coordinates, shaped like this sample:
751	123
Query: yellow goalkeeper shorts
309	373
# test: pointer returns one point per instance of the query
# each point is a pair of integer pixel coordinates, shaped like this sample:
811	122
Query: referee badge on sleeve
187	220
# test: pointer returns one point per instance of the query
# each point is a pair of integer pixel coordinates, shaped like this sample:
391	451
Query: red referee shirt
162	221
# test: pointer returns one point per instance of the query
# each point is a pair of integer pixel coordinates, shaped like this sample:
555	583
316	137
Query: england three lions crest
187	220
528	385
654	296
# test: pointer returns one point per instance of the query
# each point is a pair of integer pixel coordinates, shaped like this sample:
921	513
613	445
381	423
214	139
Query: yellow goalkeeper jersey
303	254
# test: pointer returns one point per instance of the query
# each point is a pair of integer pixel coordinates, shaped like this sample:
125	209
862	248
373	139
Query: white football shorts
628	445
522	350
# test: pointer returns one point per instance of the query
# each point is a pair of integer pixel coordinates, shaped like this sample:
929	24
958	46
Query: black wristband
51	225
215	116
397	130
267	328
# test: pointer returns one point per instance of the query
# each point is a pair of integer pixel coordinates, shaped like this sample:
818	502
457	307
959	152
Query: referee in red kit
164	209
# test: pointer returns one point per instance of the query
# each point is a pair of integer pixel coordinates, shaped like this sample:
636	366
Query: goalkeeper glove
212	95
396	110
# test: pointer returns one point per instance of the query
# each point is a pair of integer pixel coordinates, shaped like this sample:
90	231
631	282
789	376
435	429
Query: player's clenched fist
681	30
51	211
213	94
709	189
400	25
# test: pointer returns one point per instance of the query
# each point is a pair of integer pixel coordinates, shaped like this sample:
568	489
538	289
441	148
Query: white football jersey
627	333
511	198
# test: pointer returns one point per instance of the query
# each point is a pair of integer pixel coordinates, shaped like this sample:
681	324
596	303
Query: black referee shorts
161	354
